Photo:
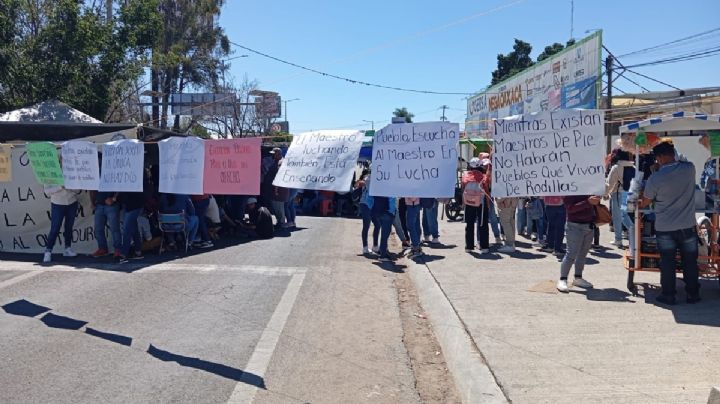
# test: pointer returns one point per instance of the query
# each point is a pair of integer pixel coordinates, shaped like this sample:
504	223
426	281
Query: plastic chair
173	223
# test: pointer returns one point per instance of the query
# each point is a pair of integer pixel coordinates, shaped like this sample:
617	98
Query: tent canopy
677	122
48	111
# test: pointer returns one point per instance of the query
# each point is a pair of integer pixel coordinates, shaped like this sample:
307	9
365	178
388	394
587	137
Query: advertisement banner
182	161
122	166
25	213
569	79
324	160
415	160
80	165
549	154
232	166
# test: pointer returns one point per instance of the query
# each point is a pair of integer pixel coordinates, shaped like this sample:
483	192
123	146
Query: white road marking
19	278
138	268
260	359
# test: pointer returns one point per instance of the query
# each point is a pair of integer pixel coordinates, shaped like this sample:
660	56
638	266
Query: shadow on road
29	309
605	295
390	266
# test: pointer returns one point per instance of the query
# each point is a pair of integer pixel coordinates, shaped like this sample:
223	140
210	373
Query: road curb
473	378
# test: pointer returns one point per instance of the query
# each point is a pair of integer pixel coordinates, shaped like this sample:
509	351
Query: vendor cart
646	257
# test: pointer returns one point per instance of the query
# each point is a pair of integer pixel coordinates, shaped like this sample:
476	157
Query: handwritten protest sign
323	160
45	163
5	163
232	166
418	159
122	166
182	160
550	153
80	165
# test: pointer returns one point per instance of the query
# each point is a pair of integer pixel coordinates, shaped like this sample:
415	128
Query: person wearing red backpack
476	201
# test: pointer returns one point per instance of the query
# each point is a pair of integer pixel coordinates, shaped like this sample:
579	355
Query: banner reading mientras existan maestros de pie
550	153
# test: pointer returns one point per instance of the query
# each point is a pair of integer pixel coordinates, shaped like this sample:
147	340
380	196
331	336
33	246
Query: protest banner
45	163
25	213
324	160
182	160
80	165
549	153
417	159
122	166
232	166
5	163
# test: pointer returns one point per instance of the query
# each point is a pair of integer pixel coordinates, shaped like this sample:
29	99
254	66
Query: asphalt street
299	318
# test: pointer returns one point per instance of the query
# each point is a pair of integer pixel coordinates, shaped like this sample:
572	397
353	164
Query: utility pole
443	118
572	18
608	113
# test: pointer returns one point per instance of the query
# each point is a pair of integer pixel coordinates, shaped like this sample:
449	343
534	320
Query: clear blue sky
408	44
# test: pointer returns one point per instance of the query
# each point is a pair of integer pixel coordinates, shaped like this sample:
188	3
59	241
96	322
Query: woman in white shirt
63	208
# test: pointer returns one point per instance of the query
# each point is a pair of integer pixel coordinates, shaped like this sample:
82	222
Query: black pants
479	214
402	211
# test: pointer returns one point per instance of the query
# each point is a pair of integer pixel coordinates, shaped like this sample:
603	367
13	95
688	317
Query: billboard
569	79
203	104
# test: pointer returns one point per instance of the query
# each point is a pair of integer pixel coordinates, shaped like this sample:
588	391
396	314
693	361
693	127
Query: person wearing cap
260	219
672	189
475	175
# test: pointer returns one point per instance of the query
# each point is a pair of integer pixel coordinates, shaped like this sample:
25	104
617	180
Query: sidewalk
599	345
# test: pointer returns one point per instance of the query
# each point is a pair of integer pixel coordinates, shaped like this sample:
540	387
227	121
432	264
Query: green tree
189	52
514	62
403	113
554	49
67	50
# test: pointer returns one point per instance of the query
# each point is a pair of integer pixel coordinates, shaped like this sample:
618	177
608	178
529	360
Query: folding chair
173	223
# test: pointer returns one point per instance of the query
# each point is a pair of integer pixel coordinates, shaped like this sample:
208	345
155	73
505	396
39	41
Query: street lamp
286	101
372	124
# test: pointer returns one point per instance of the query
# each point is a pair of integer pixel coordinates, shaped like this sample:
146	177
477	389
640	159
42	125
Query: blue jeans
556	226
579	240
397	224
130	231
386	222
192	223
521	216
107	216
290	212
367	218
669	242
413	224
494	221
620	219
430	221
201	208
58	214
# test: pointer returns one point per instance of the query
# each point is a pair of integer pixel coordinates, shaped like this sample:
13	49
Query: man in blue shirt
672	189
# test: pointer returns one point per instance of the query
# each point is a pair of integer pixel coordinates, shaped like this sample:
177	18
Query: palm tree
404	113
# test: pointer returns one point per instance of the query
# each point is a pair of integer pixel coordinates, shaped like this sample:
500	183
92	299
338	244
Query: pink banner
232	167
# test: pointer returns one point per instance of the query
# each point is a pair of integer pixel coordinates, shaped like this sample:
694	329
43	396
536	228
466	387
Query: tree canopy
519	59
404	113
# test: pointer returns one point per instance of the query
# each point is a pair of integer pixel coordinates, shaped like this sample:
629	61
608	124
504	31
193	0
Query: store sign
569	79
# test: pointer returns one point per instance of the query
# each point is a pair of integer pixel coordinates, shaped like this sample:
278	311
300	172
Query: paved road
293	319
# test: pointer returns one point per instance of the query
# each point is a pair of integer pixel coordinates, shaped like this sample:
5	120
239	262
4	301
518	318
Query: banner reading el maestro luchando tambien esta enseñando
323	160
415	159
550	153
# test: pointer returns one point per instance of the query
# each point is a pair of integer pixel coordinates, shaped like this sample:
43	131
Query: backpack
627	176
473	194
427	203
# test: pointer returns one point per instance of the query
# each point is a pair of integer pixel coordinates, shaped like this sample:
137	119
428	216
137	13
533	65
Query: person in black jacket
133	204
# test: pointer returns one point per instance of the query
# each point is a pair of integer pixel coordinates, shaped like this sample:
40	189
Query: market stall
646	257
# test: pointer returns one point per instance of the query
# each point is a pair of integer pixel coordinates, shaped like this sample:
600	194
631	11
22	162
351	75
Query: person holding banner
383	210
133	204
107	213
366	204
63	208
430	226
475	197
412	210
580	228
506	214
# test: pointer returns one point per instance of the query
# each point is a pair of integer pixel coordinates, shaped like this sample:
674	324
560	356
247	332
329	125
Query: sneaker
207	244
533	237
415	253
47	257
498	241
123	260
427	239
484	251
582	283
291	225
617	244
435	240
596	247
468	250
562	286
69	253
559	253
138	255
506	249
100	252
375	249
366	251
664	299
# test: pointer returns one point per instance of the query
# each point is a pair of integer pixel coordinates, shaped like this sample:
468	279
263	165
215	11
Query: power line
698	55
671	42
655	80
345	78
